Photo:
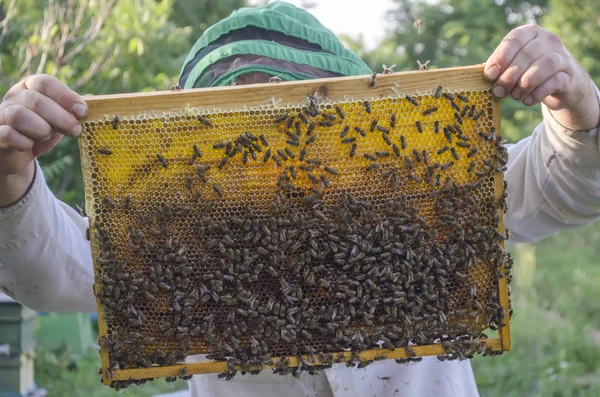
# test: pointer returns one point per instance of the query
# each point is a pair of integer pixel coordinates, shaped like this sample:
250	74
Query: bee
462	98
290	122
478	115
162	160
458	118
417	25
403	142
330	170
425	157
115	122
282	154
204	120
349	140
447	165
393	120
412	100
408	162
245	157
219	145
436	126
471	166
267	155
311	139
281	118
353	149
344	132
275	79
419	126
396	150
417	155
430	110
373	166
386	138
472	152
325	123
312	178
104	151
223	162
310	129
373	80
293	172
443	150
373	125
303	118
463	144
302	154
217	190
325	181
454	105
292	142
380	153
188	182
388	70
423	66
463	113
369	156
414	177
454	154
438	91
360	131
367	106
277	160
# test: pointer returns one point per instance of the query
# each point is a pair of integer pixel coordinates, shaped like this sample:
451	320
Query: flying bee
104	151
423	66
204	120
386	138
367	106
419	126
360	131
353	149
115	122
472	152
162	160
388	70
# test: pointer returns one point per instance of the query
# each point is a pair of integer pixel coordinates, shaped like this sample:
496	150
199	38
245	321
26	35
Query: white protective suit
554	184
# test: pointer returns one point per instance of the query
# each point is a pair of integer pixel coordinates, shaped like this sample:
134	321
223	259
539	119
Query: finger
540	71
509	79
10	138
556	84
44	147
508	49
52	88
61	120
25	121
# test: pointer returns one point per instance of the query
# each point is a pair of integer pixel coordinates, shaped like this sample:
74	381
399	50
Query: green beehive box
16	375
16	326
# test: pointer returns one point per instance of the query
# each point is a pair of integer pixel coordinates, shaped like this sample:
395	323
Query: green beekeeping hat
278	39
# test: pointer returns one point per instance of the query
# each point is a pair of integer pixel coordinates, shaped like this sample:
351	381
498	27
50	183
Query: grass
555	331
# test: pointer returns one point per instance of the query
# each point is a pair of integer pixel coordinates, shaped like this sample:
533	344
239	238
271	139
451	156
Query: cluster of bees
310	276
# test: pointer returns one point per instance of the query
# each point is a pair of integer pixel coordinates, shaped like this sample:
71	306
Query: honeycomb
281	231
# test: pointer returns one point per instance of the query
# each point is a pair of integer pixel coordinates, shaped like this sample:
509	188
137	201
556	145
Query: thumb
43	147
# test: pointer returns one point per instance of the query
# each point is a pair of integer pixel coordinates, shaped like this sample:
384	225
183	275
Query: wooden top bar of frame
336	89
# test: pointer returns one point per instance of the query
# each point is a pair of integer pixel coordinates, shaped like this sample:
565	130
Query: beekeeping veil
277	39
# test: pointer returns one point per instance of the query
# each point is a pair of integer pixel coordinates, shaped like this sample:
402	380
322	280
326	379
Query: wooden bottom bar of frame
221	366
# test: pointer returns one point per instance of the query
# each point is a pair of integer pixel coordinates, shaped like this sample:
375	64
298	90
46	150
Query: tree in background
98	47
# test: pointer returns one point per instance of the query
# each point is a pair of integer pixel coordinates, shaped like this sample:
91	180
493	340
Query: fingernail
528	101
76	131
498	91
79	109
516	94
492	73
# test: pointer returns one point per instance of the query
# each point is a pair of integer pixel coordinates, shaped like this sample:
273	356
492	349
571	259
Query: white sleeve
45	260
553	180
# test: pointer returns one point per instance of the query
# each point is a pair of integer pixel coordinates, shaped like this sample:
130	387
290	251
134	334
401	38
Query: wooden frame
224	98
